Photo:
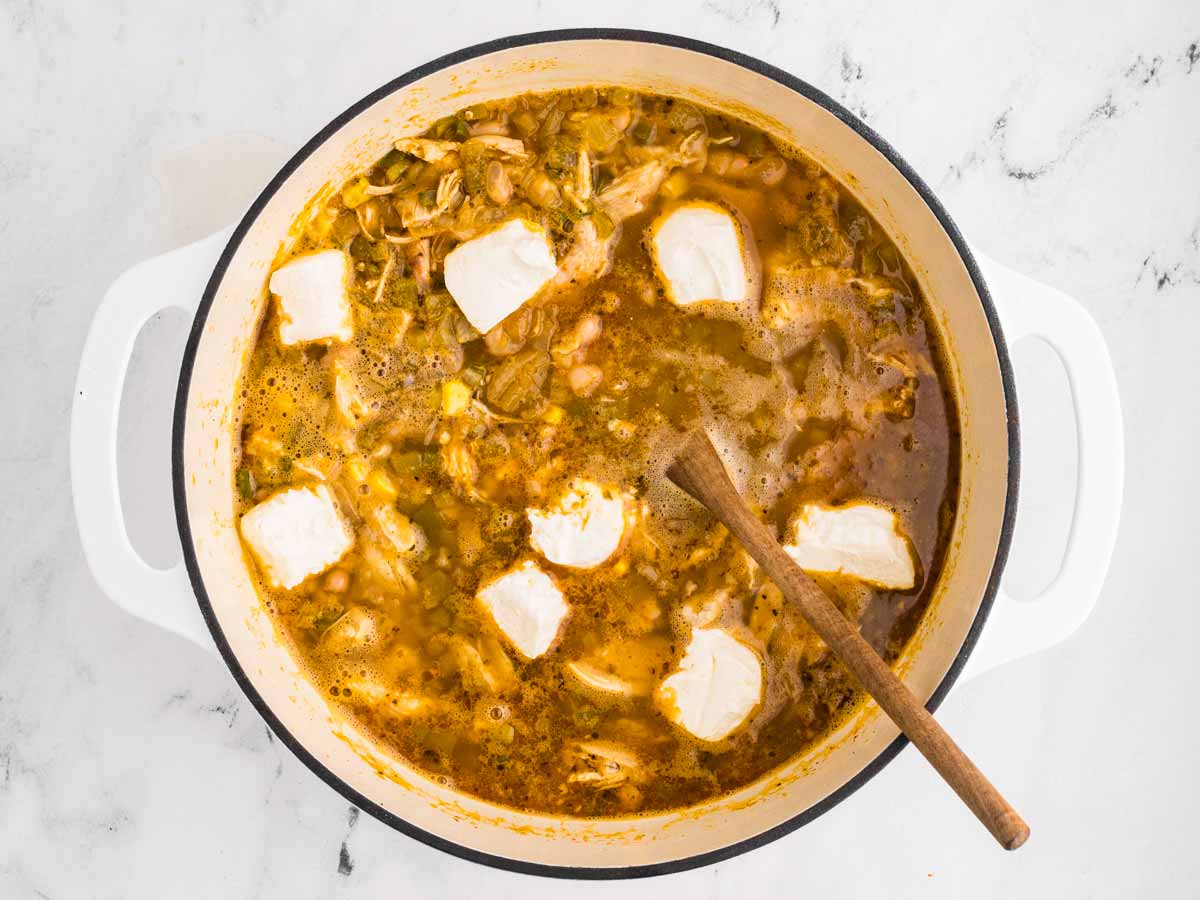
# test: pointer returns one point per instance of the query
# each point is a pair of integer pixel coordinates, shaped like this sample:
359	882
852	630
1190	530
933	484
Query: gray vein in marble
1166	273
851	71
738	12
345	864
850	92
1102	111
178	698
1166	276
1118	100
227	710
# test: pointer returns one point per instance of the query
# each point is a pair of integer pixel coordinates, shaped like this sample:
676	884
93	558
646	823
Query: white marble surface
1065	141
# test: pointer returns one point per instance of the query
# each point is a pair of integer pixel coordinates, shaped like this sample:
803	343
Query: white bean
584	379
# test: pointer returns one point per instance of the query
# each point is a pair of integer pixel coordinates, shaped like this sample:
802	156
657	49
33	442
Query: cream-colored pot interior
387	786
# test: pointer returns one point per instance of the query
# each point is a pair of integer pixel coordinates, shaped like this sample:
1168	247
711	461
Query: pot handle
163	597
1029	309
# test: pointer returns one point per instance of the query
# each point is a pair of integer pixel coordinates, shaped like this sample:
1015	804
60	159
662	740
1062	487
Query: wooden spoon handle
699	471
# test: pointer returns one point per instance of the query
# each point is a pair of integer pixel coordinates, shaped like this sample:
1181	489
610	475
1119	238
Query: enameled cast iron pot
227	312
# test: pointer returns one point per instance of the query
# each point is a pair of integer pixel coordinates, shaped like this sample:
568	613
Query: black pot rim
180	417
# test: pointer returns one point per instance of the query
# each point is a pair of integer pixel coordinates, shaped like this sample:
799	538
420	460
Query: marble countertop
1064	138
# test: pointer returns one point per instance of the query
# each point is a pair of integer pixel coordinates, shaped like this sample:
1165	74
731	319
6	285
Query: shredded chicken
262	445
599	680
449	191
460	465
904	362
492	126
369	220
602	765
357	627
367	693
584	379
579	191
484	666
703	610
381	190
419	263
384	276
693	151
627	196
629	193
570	349
583	176
387	567
316	466
428	150
589	257
348	398
708	548
405	536
528	325
627	667
416	215
508	146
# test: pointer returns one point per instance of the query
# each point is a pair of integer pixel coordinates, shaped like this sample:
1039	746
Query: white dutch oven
234	264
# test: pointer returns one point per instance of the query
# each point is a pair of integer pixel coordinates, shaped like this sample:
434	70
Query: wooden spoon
698	470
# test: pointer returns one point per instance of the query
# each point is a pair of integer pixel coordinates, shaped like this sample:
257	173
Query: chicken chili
477	359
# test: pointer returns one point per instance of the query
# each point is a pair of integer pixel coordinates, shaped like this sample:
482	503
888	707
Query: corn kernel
456	397
674	186
381	484
357	469
262	444
406	532
553	414
355	193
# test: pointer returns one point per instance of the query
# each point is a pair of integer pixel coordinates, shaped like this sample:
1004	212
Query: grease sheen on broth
826	386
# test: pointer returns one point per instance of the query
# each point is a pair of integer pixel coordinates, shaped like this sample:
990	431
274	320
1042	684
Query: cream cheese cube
718	684
583	529
861	540
527	606
314	301
700	253
296	533
491	276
